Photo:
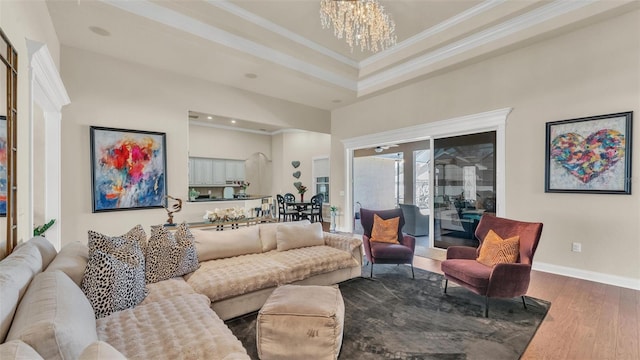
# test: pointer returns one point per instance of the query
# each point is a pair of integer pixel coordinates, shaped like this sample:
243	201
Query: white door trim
49	93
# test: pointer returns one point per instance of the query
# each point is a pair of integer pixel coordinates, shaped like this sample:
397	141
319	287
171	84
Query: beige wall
22	20
593	70
226	144
303	147
109	92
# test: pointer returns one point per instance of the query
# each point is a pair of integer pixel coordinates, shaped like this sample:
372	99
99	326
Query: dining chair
315	212
284	212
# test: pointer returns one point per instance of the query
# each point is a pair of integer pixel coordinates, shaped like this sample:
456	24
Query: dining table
300	206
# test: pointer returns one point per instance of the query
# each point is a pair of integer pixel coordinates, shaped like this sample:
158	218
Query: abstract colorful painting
3	165
589	155
128	169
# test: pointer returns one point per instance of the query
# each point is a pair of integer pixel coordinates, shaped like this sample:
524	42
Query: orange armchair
502	280
386	253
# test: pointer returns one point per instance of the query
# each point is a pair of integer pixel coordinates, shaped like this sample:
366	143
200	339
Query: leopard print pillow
114	278
110	243
170	254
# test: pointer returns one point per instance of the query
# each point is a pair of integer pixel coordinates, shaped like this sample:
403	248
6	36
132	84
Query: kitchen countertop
248	197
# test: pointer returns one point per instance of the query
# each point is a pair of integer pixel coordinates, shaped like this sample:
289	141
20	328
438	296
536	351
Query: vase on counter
193	194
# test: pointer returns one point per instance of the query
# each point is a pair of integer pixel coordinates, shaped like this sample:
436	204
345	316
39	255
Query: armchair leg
371	273
524	303
446	282
413	275
486	306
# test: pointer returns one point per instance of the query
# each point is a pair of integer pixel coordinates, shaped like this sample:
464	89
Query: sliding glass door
464	186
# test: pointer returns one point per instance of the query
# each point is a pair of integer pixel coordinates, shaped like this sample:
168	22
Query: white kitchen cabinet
234	170
219	172
203	171
214	172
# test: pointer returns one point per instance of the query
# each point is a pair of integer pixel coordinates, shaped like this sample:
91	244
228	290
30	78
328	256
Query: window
321	177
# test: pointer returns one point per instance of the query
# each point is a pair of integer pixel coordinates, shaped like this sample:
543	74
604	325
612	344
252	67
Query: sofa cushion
45	247
101	350
167	288
136	235
223	244
299	235
308	261
114	281
268	233
72	260
224	278
170	254
195	331
54	317
16	272
18	350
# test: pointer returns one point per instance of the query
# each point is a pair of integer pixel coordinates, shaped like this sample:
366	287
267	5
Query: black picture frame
128	169
589	155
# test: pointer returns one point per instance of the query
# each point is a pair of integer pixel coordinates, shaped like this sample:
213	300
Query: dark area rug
395	317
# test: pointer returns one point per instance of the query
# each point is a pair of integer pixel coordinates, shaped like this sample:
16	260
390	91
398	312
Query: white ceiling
282	42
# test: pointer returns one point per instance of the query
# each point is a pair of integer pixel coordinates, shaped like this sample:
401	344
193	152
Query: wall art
128	169
589	155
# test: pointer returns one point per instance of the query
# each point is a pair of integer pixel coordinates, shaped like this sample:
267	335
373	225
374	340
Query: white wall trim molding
462	125
49	93
502	30
432	31
277	29
179	21
251	131
615	280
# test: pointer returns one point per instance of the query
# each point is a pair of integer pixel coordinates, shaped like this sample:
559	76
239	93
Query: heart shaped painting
295	164
587	158
297	184
296	174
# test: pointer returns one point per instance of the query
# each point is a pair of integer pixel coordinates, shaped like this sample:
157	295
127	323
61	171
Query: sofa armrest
345	243
462	252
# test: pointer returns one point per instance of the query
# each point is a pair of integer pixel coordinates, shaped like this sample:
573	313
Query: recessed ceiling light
233	121
336	101
250	75
99	31
210	117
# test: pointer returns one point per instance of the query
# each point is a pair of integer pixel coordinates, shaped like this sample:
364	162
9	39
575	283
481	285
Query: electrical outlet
576	247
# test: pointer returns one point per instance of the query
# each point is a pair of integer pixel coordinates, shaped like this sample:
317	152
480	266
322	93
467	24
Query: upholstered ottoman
301	322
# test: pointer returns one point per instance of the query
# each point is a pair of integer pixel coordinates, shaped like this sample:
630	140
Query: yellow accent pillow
496	250
385	230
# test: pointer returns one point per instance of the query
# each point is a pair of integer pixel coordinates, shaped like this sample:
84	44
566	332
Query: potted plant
333	211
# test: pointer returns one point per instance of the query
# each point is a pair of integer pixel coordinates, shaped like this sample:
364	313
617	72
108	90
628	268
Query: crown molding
509	27
51	90
251	131
432	31
176	20
275	28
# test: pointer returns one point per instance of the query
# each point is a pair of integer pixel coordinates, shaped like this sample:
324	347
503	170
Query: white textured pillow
72	260
228	243
299	235
54	317
101	350
268	233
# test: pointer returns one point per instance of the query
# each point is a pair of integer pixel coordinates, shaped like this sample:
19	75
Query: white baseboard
615	280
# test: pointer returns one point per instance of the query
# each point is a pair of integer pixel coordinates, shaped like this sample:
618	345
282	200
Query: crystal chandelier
361	21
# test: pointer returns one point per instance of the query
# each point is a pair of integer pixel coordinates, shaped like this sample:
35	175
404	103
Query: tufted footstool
301	322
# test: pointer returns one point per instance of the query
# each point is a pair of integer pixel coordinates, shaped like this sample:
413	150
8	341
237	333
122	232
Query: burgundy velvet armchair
387	253
502	280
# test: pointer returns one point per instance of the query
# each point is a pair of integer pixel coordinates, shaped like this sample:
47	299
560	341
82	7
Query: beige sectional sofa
44	313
